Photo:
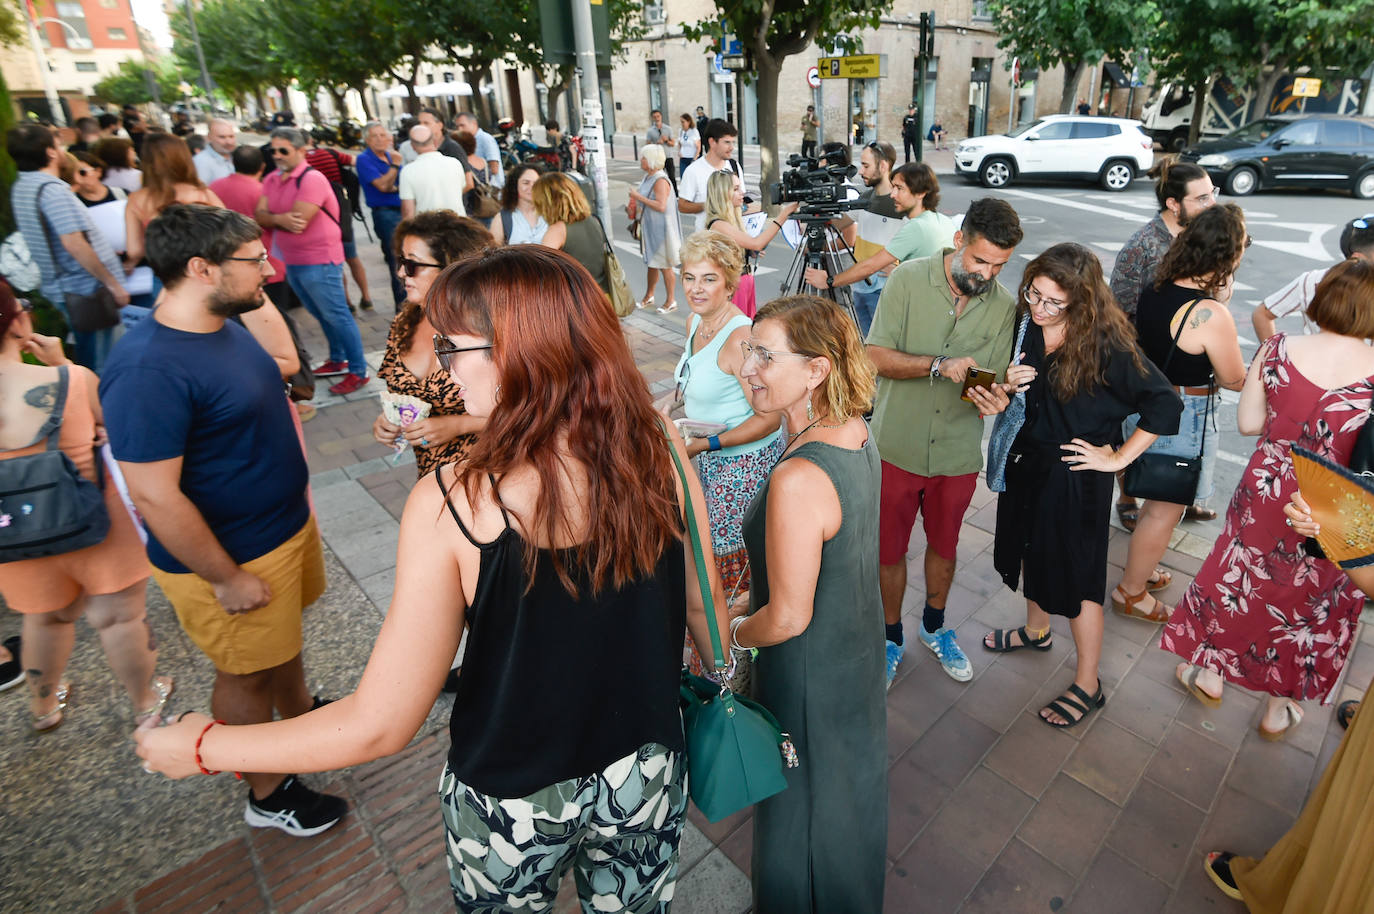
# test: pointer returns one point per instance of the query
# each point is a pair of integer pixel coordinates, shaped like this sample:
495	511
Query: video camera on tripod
819	184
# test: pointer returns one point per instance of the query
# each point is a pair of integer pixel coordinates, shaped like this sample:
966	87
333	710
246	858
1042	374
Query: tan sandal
1160	578
1187	674
1127	607
1292	714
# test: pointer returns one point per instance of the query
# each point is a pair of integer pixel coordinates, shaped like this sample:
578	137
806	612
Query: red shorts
940	500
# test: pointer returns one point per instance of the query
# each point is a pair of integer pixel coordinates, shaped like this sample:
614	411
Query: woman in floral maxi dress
1261	613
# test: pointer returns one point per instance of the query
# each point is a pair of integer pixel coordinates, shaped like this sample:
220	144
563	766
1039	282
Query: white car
1109	150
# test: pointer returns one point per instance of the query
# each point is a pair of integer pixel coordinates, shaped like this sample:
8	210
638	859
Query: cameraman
915	192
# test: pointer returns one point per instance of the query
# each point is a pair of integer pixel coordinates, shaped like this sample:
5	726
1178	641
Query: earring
497	392
810	413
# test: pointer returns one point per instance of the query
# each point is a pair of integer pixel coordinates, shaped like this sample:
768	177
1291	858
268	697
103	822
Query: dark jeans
384	222
908	147
808	148
669	168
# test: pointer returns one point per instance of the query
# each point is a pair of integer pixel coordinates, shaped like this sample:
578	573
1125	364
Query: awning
434	90
1113	73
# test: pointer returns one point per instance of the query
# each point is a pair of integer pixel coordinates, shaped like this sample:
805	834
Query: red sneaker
331	369
349	384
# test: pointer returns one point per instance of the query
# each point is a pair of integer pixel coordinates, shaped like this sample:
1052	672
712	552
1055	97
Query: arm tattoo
1200	317
44	396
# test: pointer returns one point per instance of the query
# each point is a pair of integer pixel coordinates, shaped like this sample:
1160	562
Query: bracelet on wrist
935	366
713	442
199	739
735	623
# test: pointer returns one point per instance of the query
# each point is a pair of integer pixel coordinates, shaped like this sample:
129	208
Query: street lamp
54	104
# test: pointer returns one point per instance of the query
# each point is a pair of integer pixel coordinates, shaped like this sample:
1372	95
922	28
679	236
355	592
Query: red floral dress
1262	613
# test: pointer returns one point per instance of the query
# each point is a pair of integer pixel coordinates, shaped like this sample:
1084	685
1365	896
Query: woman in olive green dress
816	614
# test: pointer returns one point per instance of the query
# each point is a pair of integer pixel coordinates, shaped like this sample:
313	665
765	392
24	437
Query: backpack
46	506
345	218
17	265
352	189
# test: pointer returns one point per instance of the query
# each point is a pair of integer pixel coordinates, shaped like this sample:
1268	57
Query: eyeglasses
260	260
25	305
444	350
1052	306
765	357
412	267
282	150
1209	197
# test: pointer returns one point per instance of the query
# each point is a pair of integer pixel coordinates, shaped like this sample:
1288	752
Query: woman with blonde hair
660	234
816	615
733	463
561	541
169	177
572	227
724	206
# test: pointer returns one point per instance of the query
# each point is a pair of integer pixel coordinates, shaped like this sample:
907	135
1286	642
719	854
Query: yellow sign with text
859	66
1306	87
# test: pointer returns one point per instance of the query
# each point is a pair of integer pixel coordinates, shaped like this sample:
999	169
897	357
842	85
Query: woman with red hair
559	544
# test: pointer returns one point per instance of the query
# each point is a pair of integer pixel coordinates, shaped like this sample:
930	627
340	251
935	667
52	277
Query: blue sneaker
943	645
894	657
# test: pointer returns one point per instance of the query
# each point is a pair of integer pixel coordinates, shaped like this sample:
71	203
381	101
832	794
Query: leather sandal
1292	714
1128	515
1193	512
1187	675
163	687
1218	867
1002	643
1127	607
46	723
1074	705
1160	578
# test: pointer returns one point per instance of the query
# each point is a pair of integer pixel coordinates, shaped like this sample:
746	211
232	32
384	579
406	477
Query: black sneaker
295	809
366	304
11	671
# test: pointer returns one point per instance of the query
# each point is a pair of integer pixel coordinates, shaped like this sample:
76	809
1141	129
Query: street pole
591	107
54	103
200	55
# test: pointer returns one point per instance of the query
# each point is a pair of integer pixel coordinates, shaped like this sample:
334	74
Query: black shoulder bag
1164	477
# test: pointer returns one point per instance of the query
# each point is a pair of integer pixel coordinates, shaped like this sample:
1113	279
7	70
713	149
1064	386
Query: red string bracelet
199	763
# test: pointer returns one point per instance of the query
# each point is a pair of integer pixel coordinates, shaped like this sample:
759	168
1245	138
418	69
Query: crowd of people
547	523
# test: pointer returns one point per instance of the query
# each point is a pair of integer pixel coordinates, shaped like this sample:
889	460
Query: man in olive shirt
938	317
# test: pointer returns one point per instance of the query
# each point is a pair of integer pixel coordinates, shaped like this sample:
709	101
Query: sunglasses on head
412	267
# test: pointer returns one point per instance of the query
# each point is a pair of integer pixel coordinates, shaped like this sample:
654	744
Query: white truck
1167	117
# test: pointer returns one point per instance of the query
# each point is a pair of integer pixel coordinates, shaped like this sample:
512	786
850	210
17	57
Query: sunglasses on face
281	150
412	267
444	350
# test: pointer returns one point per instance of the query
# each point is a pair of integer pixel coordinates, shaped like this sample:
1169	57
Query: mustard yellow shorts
264	638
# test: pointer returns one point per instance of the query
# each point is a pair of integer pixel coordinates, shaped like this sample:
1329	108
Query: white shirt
687	141
1297	295
211	166
434	181
691	186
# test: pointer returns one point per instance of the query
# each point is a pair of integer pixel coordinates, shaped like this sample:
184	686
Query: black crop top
1156	309
557	687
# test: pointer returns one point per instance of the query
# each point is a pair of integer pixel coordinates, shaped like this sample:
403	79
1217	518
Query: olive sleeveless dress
820	845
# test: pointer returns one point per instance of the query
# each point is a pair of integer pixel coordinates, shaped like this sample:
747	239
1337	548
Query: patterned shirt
1136	263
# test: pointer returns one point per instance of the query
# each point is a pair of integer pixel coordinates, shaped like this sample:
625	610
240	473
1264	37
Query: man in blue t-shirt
379	171
201	426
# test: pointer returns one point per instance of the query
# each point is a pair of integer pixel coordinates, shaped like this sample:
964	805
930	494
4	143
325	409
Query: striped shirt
62	214
324	161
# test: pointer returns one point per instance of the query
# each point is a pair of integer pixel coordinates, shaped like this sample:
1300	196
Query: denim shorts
1189	439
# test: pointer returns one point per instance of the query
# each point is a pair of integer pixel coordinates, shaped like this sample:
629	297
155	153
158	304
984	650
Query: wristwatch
713	442
935	366
829	282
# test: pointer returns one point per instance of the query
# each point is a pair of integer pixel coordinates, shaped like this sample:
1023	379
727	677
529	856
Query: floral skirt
730	484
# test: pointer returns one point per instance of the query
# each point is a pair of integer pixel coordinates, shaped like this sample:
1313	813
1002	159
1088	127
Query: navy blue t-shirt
216	400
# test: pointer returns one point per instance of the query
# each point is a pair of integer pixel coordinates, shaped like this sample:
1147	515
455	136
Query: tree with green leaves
1047	33
129	84
330	44
241	43
773	30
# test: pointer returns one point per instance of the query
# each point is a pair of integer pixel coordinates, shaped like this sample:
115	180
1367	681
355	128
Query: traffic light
926	47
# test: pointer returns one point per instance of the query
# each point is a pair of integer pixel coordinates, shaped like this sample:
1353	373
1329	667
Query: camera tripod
821	247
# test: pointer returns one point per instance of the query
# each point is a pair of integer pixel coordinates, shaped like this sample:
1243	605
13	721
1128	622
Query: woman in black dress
1081	373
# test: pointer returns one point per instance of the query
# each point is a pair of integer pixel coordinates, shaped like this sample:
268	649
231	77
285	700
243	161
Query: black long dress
1051	520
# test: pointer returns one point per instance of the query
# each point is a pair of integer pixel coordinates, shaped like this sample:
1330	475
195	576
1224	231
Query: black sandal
1345	712
1218	867
1084	704
1001	640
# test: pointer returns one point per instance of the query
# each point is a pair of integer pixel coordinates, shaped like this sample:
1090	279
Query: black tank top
1155	310
557	687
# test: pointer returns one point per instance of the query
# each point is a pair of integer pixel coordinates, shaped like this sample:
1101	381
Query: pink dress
1262	613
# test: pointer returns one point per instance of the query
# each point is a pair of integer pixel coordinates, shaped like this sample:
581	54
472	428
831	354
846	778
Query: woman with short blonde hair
724	206
654	204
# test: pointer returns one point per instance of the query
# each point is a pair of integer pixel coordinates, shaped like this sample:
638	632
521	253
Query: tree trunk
362	97
285	97
1200	94
260	101
340	103
768	68
1073	75
1264	88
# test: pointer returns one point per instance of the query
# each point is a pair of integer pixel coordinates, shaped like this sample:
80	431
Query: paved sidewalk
990	809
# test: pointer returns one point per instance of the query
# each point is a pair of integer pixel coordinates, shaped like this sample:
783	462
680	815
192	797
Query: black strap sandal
1002	643
1218	867
1345	712
1074	709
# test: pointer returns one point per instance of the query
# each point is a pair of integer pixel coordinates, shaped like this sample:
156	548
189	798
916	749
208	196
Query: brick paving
990	809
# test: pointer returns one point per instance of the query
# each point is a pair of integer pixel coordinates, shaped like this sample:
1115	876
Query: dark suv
1317	151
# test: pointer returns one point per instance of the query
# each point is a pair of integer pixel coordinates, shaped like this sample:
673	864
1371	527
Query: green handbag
735	749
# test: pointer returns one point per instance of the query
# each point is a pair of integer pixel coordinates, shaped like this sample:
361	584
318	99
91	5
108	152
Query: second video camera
819	181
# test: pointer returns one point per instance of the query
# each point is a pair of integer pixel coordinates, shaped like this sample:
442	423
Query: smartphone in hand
977	377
